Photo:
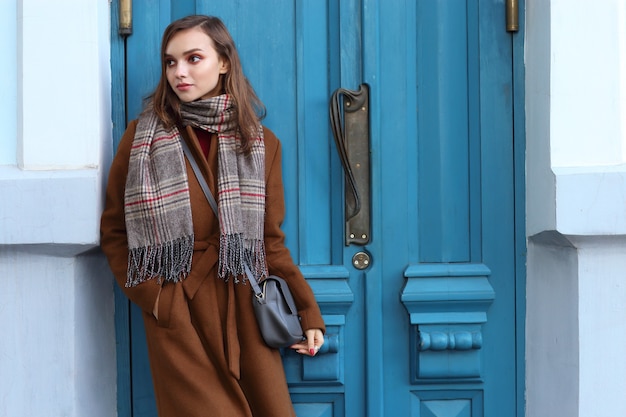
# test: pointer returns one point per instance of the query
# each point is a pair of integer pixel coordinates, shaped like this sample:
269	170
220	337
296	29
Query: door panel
447	78
428	329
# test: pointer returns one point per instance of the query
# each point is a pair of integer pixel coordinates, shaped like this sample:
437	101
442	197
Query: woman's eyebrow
186	52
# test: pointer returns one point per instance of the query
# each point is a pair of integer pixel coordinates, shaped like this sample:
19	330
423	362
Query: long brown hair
250	109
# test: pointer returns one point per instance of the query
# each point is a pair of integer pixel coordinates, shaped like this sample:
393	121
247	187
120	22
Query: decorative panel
445	352
447	305
335	299
294	63
326	366
447	403
319	405
448	130
316	22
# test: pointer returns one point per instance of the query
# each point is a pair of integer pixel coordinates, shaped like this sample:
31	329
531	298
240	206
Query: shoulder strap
209	196
253	282
199	176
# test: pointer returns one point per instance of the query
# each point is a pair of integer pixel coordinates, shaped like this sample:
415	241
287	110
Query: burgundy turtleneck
204	138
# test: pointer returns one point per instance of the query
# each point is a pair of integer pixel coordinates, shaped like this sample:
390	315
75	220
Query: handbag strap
209	196
258	292
196	170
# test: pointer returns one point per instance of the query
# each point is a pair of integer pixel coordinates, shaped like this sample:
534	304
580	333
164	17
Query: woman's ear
224	66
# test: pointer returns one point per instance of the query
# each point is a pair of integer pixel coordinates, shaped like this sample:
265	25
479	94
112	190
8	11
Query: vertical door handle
349	119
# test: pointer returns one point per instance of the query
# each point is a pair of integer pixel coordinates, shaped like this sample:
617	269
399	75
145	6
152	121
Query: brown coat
206	353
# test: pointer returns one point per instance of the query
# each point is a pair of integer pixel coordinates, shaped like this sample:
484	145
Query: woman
176	260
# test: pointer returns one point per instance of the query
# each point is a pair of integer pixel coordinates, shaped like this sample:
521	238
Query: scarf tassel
234	251
169	262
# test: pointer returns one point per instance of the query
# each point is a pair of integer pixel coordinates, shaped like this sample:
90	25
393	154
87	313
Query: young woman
178	262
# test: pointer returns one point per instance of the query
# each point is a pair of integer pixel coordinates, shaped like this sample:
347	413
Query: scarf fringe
169	262
234	251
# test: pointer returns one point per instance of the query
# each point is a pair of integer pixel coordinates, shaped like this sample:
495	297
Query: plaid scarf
157	204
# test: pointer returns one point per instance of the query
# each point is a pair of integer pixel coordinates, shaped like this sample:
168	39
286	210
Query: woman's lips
183	87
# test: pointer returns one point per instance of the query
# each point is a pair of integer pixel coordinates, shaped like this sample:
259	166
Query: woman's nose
181	70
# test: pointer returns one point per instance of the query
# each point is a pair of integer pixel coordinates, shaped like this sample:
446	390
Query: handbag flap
280	284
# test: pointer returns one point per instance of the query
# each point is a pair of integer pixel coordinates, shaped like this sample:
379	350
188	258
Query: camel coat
206	353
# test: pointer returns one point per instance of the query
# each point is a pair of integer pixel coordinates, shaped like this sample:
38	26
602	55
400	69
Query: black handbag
273	304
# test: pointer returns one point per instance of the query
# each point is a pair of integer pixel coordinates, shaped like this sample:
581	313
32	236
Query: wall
8	83
57	350
576	212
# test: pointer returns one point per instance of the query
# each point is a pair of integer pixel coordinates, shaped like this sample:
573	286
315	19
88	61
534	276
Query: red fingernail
312	352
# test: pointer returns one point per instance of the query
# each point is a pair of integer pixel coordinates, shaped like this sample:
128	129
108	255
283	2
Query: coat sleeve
279	259
113	240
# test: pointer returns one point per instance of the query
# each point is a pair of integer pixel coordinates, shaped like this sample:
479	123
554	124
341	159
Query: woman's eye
194	58
169	62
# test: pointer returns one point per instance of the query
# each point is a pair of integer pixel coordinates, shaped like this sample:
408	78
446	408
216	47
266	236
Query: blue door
427	327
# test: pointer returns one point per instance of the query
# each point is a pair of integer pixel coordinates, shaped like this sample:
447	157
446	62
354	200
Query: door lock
361	260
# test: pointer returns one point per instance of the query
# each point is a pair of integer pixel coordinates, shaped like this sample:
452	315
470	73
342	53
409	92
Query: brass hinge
512	15
126	17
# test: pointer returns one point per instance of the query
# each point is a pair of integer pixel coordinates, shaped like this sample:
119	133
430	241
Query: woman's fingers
312	344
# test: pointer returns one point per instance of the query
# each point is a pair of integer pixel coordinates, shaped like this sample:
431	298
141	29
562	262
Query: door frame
519	163
122	310
118	115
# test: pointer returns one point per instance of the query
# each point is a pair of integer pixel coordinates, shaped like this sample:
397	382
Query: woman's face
193	66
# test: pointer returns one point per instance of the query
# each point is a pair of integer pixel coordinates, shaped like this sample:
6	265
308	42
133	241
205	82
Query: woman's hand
312	344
